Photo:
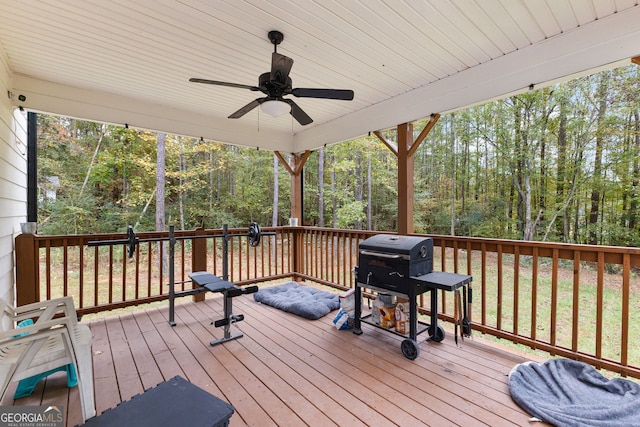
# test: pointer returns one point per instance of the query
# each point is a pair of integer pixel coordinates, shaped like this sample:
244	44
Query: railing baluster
483	285
554	298
455	256
599	304
96	275
215	256
282	253
626	274
534	293
183	266
499	295
149	258
516	288
65	262
161	267
110	274
576	301
272	250
124	273
136	278
81	273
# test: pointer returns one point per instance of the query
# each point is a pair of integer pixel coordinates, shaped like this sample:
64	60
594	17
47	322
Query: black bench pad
209	281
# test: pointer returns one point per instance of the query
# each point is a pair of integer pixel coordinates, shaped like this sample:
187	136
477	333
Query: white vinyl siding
13	179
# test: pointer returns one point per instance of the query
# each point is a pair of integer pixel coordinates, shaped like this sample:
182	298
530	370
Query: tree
601	97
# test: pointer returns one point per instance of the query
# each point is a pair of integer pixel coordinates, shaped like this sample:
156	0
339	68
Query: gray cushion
305	301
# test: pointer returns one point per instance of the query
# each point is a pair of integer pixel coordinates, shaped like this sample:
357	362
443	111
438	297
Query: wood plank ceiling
129	61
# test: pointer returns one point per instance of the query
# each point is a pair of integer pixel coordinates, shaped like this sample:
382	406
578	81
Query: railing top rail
78	239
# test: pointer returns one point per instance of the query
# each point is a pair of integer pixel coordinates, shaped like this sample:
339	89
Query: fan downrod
276	37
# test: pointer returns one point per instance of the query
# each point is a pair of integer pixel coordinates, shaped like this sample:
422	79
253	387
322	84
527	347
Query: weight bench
213	283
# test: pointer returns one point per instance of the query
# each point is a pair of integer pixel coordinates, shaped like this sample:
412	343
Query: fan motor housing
267	85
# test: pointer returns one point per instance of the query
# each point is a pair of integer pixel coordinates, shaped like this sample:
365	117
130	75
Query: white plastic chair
50	342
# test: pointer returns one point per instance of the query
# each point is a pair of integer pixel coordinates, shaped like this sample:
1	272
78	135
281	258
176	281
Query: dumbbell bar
254	234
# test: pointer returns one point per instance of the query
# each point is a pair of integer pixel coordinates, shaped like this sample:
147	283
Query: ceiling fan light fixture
275	107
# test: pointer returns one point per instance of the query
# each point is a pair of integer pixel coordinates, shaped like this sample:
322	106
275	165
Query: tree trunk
93	160
358	186
601	97
634	204
452	140
562	227
160	183
183	171
334	199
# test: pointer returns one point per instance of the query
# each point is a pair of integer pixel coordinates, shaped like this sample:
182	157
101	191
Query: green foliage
522	167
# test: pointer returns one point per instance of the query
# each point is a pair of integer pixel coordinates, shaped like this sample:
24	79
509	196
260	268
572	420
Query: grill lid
406	247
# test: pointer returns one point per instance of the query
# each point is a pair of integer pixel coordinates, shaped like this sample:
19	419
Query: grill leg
413	317
436	333
357	328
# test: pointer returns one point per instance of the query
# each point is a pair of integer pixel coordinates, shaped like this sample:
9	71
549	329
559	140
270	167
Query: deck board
287	370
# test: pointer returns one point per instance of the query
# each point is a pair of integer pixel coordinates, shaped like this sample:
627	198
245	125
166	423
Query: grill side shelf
443	280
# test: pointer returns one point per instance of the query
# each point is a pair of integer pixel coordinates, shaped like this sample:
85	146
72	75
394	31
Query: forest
561	164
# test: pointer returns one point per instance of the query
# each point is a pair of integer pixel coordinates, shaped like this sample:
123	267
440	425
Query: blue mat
305	301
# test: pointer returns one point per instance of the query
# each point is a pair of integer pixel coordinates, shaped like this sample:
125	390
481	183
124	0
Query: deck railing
574	301
101	278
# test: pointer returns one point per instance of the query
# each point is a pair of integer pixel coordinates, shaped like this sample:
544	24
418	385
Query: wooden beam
404	152
389	145
299	160
636	60
299	164
284	162
302	160
432	121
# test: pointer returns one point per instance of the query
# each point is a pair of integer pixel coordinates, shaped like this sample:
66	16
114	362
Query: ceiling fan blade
215	82
250	106
298	113
344	94
280	67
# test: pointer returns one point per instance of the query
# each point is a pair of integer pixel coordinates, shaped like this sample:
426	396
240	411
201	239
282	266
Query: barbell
254	235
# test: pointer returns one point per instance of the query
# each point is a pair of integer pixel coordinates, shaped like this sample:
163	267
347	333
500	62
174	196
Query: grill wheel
410	349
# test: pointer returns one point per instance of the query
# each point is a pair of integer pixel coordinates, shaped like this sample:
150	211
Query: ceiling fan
276	84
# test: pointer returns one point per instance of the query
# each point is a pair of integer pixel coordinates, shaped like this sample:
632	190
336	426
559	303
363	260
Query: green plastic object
27	385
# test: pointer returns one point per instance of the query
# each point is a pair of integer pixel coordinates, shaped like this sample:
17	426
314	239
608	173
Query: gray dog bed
305	301
566	392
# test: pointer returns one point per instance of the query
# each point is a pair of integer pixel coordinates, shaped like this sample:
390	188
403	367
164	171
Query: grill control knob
423	251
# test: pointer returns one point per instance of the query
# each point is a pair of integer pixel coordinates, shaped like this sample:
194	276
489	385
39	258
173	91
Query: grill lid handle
381	254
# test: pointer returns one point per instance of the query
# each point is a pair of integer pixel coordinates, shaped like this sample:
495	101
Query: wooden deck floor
289	371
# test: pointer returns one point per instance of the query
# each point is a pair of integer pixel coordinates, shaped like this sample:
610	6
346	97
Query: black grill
388	261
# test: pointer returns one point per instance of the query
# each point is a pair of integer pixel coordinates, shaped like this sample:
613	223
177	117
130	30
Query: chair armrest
46	310
14	336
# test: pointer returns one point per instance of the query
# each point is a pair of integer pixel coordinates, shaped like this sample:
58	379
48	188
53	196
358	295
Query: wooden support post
297	211
404	152
27	269
405	179
299	161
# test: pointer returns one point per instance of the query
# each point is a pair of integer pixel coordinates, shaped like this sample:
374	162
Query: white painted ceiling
129	61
